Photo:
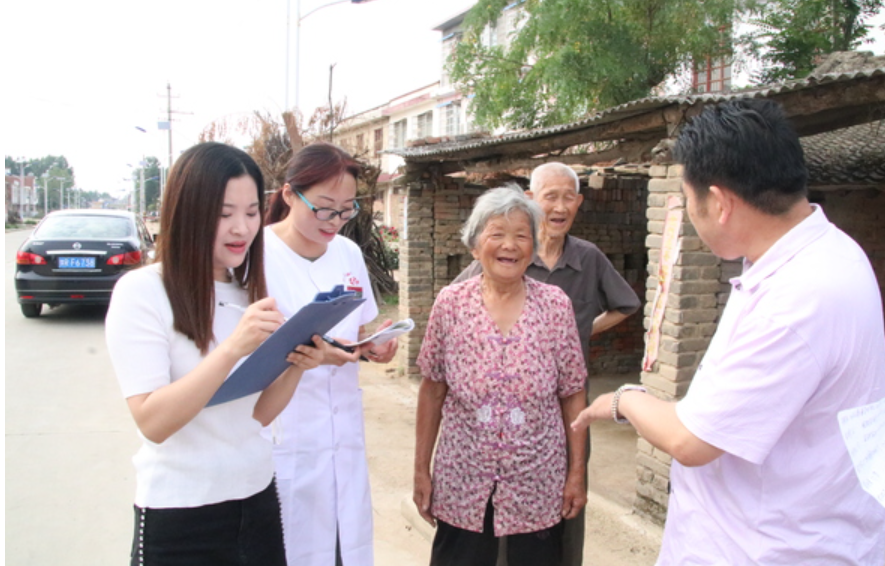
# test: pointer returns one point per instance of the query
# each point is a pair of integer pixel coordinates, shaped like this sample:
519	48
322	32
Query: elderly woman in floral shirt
502	373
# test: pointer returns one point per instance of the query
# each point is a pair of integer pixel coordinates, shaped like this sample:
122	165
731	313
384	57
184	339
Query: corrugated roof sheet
441	150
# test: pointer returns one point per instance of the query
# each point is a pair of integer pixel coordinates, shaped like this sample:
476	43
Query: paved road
69	438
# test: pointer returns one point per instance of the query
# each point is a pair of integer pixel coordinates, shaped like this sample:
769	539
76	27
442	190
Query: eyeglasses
325	214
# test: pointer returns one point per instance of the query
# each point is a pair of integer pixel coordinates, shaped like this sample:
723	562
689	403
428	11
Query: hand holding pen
260	320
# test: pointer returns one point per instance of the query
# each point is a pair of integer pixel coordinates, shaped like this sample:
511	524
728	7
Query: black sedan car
77	256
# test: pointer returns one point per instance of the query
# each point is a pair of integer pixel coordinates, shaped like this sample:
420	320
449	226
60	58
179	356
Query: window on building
491	34
379	140
711	75
360	143
424	125
453	119
398	134
448	47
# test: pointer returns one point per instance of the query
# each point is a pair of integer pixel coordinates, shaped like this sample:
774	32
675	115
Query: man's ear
723	203
580	199
530	195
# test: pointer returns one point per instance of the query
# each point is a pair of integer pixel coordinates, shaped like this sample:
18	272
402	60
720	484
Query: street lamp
45	177
138	193
21	186
141	199
298	19
61	192
60	180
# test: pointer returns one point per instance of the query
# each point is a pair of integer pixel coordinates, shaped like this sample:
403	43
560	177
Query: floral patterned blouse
502	429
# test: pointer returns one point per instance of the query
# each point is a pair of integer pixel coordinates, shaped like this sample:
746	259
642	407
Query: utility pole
45	177
288	11
21	188
167	125
169	118
331	106
141	199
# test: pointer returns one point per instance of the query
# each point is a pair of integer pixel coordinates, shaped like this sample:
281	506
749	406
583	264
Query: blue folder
268	361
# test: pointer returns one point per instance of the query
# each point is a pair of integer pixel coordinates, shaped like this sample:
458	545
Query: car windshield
84	227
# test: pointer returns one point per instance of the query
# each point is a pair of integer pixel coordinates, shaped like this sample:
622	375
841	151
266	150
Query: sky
82	76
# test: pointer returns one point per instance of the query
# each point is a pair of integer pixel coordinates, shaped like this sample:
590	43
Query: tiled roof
848	156
451	149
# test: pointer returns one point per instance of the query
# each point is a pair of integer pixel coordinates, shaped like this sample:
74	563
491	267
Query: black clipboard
268	361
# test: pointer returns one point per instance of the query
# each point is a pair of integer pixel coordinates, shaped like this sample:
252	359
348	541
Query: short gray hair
553	169
500	202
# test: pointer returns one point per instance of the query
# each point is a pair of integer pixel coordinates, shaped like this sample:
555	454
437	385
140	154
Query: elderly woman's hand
421	495
574	495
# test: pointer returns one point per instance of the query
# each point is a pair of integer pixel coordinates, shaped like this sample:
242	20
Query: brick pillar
448	217
692	310
416	291
431	253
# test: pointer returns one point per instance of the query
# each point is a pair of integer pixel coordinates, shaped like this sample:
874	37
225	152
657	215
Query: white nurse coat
319	440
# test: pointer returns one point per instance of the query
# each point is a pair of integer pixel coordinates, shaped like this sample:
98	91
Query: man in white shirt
761	474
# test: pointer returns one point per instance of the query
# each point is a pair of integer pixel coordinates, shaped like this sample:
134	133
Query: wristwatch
617	398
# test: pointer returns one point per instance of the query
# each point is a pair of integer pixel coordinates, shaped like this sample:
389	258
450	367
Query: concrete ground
614	536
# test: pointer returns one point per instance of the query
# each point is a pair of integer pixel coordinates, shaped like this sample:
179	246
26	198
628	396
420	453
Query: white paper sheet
388	333
863	430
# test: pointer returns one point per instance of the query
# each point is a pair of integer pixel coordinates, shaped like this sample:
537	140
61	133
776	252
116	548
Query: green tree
90	198
568	57
790	37
151	166
53	170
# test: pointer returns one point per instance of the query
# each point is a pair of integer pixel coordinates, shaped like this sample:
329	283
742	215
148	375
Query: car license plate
76	263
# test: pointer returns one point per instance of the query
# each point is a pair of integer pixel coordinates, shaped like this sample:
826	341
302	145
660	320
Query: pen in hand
340	346
240	308
330	341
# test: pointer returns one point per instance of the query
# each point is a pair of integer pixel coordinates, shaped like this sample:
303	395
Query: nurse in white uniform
319	441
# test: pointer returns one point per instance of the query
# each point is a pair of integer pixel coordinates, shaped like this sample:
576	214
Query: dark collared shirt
587	277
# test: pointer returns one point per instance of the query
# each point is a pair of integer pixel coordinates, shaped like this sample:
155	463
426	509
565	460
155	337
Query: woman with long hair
205	491
319	444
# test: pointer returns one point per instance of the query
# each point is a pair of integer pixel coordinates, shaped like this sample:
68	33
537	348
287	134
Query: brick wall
416	291
697	294
432	253
612	216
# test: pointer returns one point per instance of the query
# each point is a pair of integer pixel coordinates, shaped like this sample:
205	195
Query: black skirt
246	532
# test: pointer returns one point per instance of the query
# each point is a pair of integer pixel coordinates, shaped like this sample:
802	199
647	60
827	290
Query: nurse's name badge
352	283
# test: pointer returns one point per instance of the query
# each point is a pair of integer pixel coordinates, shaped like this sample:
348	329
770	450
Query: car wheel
31	310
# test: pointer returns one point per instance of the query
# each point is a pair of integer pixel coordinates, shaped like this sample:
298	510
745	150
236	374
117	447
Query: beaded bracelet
617	398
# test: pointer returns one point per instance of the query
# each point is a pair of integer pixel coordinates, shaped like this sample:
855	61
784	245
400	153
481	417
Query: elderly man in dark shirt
600	296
